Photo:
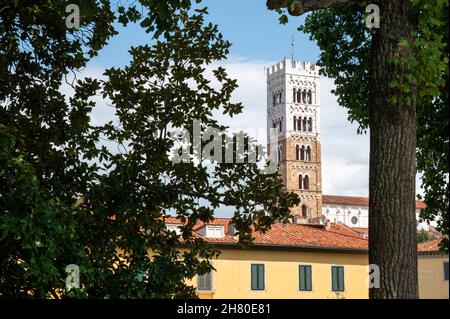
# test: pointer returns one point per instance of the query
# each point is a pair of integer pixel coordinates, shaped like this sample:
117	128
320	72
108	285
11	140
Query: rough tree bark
392	220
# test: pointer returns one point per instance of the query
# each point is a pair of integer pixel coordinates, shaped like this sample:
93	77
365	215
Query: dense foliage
67	197
345	56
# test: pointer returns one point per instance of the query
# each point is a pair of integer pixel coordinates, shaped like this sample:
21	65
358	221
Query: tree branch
298	7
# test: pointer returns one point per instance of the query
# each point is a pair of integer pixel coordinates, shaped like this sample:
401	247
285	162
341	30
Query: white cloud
345	154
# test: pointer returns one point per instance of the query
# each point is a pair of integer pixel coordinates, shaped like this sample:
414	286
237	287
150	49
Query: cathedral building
293	113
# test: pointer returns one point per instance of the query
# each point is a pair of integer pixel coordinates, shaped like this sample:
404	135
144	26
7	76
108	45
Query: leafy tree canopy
345	43
67	198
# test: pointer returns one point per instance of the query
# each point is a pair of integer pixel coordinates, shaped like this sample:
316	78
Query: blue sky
253	30
258	40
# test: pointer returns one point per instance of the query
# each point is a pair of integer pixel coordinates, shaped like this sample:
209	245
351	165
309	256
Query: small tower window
280	126
308	153
300	181
304	124
294	96
304	97
302	153
309	97
306	182
310	125
295	123
274	100
299	96
304	211
297	152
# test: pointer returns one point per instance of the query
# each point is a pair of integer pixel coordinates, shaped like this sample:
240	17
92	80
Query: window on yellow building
305	278
446	270
337	278
257	277
204	282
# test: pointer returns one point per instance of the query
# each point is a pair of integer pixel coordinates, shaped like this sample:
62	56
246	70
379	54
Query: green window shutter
257	277
341	279
337	277
254	277
334	278
305	280
308	278
261	277
446	270
204	282
301	278
208	285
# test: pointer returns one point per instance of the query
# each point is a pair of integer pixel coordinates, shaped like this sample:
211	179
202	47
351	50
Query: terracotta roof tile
343	229
430	246
292	235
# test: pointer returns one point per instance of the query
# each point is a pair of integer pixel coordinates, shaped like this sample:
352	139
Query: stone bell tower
293	109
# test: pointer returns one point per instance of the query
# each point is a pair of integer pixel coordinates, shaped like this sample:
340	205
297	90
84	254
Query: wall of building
432	284
233	270
345	213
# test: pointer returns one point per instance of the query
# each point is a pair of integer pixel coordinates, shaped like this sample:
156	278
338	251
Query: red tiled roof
343	229
361	230
356	201
430	246
292	235
306	236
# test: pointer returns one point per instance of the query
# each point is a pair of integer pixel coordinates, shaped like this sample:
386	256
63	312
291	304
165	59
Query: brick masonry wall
290	169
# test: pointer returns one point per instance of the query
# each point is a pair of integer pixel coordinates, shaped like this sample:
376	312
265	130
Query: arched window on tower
299	96
304	126
310	124
294	96
279	154
302	153
297	152
295	123
304	97
280	95
299	124
274	100
309	97
300	181
306	182
304	211
308	153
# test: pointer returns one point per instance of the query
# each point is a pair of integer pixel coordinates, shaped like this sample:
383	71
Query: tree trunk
392	221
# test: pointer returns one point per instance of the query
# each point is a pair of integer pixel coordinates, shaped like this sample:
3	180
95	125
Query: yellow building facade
233	278
297	261
433	271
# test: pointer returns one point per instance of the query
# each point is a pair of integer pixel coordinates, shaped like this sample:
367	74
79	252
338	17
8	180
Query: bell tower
293	109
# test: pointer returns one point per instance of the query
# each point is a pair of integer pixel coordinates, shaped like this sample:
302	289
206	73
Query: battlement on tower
296	67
